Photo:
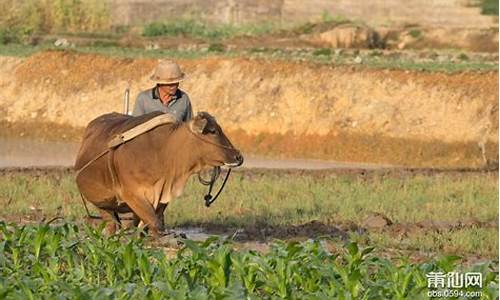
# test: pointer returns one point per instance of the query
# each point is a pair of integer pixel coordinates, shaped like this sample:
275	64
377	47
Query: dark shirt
149	101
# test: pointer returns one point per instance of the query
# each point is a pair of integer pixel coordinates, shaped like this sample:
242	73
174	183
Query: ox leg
110	218
144	210
136	220
160	210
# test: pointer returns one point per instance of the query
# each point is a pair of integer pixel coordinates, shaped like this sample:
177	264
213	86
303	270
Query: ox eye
211	131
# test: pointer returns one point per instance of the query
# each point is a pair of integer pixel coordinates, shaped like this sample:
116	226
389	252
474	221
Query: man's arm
189	110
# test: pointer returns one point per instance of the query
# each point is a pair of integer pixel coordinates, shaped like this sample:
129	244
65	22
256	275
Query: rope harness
130	134
215	174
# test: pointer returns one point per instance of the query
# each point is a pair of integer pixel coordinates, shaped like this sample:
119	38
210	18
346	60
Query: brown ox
151	169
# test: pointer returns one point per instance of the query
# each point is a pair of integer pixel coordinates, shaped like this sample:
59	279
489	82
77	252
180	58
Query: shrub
192	28
216	47
322	51
489	7
415	33
20	19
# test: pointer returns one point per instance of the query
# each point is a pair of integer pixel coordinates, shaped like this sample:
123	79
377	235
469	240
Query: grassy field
70	260
437	213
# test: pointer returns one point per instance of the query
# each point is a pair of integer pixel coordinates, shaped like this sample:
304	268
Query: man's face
168	89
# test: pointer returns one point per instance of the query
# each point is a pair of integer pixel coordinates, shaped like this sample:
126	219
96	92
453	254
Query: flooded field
19	152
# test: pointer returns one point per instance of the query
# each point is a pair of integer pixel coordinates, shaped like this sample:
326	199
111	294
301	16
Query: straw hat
168	71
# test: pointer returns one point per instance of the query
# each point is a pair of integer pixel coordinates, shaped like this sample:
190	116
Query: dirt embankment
277	107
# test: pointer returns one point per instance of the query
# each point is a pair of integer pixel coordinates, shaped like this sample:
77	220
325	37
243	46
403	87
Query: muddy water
196	233
23	152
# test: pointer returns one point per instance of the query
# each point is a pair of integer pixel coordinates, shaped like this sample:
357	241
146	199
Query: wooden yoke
140	129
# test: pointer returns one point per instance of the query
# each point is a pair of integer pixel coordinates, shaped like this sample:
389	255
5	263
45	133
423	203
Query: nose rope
215	174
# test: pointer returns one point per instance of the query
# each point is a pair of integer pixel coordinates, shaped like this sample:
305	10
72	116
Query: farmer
166	95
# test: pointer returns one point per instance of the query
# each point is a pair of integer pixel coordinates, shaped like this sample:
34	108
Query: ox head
216	148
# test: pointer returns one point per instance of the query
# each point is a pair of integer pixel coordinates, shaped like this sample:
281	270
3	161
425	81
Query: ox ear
198	124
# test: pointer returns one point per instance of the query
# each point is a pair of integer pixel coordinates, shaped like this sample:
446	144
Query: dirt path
21	152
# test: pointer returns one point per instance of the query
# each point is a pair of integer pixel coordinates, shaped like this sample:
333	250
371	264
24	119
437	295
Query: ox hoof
170	241
181	235
172	233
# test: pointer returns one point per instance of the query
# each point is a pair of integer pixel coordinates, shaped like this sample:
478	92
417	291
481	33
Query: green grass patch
415	33
141	53
68	262
107	49
489	7
306	28
447	67
375	61
281	199
323	51
463	56
481	242
25	195
197	29
216	47
21	50
321	56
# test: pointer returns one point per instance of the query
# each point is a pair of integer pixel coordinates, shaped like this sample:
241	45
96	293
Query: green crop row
69	262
